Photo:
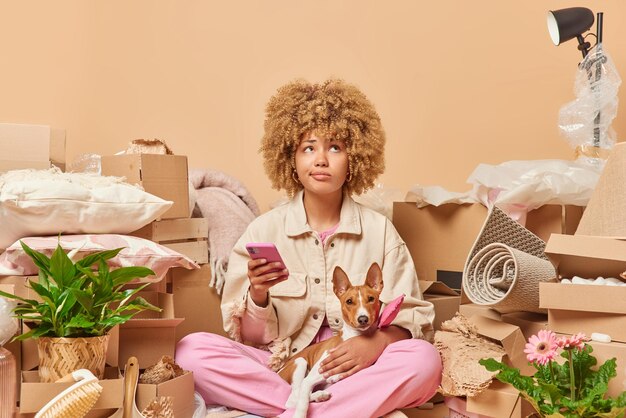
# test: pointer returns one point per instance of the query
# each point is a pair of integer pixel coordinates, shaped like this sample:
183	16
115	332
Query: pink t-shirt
325	234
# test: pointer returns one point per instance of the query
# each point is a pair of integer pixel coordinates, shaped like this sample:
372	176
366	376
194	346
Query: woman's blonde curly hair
331	109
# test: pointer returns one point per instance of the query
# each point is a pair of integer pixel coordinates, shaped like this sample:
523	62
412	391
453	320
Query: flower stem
572	388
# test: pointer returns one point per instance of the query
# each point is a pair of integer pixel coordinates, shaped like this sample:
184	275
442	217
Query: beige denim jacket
297	306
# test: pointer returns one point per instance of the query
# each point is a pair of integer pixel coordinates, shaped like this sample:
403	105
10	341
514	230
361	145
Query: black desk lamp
566	24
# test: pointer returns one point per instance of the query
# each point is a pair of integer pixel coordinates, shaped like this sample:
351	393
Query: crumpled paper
8	323
518	186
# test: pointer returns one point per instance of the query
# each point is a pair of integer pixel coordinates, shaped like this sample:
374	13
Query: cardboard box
198	251
439	410
165	176
445	300
440	238
605	351
24	146
57	148
181	389
509	336
34	395
470	309
530	323
457	407
187	236
150	335
15	348
585	308
196	301
499	400
174	230
19	286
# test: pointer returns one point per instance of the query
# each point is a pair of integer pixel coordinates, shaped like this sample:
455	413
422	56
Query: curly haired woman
322	143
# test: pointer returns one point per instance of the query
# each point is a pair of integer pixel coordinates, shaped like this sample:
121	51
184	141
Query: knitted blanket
229	208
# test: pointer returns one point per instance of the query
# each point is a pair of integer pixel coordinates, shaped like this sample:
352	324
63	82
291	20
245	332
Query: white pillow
49	202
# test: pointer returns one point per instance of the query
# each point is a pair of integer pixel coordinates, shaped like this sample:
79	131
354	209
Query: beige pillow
49	202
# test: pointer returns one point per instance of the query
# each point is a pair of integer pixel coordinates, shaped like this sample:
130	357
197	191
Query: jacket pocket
294	286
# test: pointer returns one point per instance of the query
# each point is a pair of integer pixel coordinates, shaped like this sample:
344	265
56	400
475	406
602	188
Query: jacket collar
296	224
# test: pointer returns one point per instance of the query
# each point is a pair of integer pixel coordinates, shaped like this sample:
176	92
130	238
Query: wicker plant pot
60	356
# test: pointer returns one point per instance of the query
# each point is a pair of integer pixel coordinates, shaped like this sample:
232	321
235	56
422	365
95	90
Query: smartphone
265	250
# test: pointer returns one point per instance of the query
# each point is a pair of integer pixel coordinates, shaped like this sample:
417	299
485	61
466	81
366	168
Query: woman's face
321	164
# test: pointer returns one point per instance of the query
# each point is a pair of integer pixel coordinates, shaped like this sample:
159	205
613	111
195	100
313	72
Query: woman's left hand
352	355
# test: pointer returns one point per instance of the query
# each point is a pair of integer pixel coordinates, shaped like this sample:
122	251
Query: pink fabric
325	234
390	312
136	252
228	373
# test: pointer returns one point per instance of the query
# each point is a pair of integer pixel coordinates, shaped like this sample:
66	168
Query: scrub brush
76	400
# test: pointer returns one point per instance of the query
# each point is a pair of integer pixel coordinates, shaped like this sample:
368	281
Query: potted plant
570	387
79	306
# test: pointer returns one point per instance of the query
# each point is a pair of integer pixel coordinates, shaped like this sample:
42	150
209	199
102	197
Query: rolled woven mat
506	265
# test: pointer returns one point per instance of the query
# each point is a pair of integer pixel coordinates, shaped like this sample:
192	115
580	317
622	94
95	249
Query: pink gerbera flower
575	341
541	348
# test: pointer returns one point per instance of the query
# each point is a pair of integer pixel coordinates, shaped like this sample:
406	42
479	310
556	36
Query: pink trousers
228	373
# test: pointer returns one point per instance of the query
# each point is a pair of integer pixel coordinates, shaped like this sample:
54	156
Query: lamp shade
566	24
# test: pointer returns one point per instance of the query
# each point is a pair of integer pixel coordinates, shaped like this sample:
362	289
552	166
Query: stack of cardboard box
149	335
439	240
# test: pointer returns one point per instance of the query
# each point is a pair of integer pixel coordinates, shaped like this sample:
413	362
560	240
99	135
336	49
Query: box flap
436	288
586	256
510	336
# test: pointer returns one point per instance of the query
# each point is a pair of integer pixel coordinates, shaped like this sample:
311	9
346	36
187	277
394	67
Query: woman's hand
262	277
360	352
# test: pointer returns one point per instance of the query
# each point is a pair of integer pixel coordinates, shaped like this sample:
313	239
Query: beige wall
456	83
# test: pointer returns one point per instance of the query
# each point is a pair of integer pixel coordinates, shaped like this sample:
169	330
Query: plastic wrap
517	187
8	323
586	121
380	199
85	163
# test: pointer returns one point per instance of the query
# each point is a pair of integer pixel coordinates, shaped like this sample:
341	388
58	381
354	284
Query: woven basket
59	357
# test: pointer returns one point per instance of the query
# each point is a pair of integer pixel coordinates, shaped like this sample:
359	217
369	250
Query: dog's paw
319	396
333	379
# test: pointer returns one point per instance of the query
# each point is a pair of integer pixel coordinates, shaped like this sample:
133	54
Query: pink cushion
136	252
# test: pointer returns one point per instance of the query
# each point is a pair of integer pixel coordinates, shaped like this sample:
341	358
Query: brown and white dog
360	307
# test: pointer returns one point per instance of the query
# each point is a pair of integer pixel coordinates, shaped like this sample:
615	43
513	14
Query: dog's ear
374	278
341	282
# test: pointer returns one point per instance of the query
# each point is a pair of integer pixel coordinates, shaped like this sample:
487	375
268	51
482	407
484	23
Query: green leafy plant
79	301
570	387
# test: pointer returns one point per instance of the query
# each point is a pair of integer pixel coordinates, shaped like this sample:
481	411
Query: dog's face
360	305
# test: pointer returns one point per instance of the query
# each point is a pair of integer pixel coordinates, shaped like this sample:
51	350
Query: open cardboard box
440	238
586	308
165	176
181	389
34	395
150	335
445	300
